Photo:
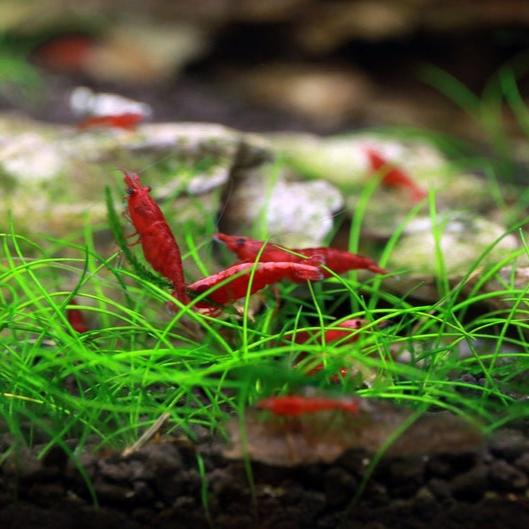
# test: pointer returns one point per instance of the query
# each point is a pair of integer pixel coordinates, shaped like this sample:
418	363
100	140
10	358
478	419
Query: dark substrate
160	486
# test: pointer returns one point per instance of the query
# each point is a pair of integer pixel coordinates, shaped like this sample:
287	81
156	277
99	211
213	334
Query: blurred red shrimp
331	335
296	405
127	121
339	261
66	53
343	330
265	274
392	176
76	318
157	240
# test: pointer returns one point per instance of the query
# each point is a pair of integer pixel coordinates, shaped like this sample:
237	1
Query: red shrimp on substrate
239	279
339	261
157	240
126	121
392	176
296	405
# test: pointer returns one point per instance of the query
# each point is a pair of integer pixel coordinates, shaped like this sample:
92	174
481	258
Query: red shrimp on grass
296	405
339	261
161	251
393	176
76	318
331	335
157	240
342	331
238	277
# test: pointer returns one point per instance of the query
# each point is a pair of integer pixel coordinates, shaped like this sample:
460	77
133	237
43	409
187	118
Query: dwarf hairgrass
464	351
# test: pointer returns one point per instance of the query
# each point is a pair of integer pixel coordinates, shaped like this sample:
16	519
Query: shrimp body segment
339	261
157	240
239	279
295	405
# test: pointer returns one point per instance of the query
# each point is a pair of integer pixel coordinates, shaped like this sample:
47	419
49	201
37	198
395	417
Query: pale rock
30	158
295	214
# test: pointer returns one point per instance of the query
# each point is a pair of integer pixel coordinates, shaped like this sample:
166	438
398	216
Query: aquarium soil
172	484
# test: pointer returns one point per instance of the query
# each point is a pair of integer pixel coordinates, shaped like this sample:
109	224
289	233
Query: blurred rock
325	436
464	238
328	25
331	24
144	52
330	96
268	11
30	158
351	63
343	161
59	174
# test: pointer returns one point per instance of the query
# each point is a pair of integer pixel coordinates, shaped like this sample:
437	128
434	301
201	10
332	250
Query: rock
325	436
416	249
137	51
343	161
463	240
296	214
30	159
59	174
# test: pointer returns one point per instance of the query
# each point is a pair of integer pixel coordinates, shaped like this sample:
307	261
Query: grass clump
465	351
138	361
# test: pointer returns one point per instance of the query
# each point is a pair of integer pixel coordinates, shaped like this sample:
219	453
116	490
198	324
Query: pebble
506	476
523	462
339	486
440	489
471	485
